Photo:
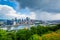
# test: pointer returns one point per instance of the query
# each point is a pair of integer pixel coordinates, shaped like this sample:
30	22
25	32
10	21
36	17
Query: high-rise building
27	18
15	19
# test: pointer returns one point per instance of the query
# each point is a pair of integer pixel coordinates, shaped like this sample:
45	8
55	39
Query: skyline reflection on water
17	27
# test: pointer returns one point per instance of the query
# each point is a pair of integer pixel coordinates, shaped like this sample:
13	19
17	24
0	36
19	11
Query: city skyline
34	9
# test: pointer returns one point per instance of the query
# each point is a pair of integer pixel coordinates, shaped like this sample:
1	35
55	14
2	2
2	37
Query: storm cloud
44	5
43	9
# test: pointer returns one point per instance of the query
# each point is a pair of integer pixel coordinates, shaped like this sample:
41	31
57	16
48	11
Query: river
16	27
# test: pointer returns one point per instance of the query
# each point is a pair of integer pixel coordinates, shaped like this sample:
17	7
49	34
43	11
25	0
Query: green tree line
33	33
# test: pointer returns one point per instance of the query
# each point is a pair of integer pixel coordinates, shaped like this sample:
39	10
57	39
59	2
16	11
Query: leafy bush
11	35
54	28
3	35
58	31
33	30
51	36
42	30
23	34
35	37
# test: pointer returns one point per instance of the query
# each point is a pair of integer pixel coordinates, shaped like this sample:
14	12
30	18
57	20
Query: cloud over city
8	12
43	9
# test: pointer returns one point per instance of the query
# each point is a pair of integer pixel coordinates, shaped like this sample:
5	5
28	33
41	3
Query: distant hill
54	21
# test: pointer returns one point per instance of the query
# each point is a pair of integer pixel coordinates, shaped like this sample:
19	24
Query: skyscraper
28	20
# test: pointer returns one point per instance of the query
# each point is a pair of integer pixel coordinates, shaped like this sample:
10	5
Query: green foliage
58	26
41	30
35	37
51	36
58	31
11	35
54	28
34	33
23	34
33	30
3	34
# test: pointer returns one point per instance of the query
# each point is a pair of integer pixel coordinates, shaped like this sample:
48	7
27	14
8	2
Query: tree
35	37
33	30
3	34
41	30
11	35
23	34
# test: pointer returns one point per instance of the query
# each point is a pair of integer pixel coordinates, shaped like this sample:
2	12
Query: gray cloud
44	9
44	5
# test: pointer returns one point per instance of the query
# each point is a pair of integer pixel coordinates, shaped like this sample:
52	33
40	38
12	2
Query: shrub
35	37
11	35
54	28
41	30
3	35
23	34
51	36
33	30
58	31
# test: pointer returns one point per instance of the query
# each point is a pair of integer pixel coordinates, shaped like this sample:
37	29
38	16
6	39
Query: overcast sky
35	9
